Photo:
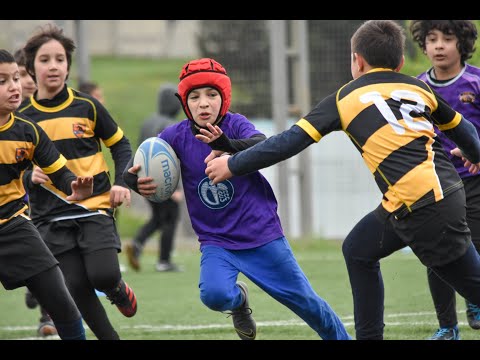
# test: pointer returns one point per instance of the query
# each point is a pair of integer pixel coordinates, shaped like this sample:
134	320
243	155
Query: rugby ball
159	161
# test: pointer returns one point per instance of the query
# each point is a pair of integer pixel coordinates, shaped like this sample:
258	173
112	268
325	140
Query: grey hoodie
168	108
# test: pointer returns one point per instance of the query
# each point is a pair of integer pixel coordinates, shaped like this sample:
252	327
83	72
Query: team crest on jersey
467	97
21	154
79	130
215	196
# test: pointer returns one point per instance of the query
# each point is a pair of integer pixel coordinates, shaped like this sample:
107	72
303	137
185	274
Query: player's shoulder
25	106
232	117
472	71
24	120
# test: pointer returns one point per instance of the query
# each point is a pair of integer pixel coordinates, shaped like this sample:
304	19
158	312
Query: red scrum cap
202	73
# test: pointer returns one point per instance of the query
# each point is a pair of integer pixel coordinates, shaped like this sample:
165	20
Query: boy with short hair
389	117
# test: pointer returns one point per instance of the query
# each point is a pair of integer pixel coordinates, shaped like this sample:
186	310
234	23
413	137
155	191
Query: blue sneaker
473	315
446	333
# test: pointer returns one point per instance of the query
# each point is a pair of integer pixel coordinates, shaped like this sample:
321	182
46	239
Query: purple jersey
463	94
239	213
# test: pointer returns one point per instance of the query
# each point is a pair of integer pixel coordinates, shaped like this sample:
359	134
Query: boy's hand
207	136
38	176
217	169
472	168
145	185
119	195
82	188
213	154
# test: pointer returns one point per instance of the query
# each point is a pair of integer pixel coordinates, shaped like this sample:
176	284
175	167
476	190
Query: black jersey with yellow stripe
77	124
22	142
389	118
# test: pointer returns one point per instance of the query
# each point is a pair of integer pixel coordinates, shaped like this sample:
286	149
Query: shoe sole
47	330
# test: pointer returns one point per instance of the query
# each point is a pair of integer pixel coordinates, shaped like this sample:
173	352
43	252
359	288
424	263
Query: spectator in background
164	216
93	89
448	44
46	326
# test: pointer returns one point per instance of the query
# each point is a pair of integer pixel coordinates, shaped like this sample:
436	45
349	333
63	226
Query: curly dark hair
464	30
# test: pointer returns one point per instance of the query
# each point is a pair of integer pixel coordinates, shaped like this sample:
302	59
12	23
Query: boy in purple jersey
449	44
236	221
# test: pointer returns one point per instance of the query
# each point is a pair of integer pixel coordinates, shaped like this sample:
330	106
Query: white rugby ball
159	161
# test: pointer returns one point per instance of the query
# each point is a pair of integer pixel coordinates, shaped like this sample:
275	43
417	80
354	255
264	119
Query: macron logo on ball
159	161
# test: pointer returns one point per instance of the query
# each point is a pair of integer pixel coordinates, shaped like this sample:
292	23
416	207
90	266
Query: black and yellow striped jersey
77	124
389	117
22	142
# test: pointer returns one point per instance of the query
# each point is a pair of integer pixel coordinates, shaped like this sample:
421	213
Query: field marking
292	322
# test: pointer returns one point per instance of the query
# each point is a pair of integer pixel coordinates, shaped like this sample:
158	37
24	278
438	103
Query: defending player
389	117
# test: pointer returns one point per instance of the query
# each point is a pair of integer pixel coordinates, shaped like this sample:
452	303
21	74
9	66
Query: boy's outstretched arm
264	154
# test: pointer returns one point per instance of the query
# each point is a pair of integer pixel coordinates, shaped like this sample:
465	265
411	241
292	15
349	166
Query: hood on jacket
167	103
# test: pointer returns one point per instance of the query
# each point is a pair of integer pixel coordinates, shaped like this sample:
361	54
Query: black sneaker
124	298
243	321
133	256
446	333
473	315
30	300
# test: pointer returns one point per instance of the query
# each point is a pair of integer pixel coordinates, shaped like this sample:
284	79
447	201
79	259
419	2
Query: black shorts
23	253
437	233
88	234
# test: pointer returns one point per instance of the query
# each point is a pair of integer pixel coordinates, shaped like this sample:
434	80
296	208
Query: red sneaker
124	298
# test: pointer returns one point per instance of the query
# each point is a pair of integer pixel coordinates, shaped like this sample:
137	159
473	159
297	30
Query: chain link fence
342	190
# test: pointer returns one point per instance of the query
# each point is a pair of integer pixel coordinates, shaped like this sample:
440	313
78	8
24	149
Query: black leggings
373	239
49	288
83	274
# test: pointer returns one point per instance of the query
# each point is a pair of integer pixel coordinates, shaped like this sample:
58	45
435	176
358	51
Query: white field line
292	322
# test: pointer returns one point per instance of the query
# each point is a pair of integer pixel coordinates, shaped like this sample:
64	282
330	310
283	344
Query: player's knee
215	298
104	281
